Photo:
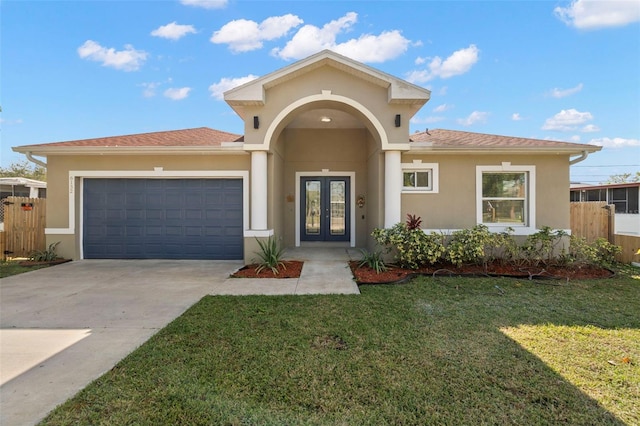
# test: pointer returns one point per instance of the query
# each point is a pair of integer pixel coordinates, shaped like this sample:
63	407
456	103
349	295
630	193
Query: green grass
10	268
441	351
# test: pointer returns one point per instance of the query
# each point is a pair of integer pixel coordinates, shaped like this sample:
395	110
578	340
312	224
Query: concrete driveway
64	326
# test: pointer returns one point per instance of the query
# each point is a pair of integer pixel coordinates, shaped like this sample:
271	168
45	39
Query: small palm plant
47	255
373	260
270	255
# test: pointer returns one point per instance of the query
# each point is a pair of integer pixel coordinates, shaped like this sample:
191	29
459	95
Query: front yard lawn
446	351
10	268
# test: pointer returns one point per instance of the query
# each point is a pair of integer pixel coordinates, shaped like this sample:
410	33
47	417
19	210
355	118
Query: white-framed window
419	177
505	196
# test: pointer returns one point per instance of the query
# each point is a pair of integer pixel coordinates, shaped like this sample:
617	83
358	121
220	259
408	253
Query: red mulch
366	275
292	269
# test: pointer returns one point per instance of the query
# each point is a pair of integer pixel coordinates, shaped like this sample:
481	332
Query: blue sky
562	70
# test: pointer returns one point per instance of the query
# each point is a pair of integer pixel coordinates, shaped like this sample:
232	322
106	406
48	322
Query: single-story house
624	196
22	187
326	157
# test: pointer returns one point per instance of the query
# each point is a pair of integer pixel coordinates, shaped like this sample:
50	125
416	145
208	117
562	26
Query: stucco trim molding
157	173
326	95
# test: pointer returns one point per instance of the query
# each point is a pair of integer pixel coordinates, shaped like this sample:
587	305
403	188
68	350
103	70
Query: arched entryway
325	155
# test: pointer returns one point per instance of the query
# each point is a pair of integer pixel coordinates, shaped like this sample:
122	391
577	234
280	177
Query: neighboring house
625	197
22	187
325	158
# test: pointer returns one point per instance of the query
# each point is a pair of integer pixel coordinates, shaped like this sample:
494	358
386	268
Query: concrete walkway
325	271
64	326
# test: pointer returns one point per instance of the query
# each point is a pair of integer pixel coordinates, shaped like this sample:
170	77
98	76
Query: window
625	199
419	177
506	195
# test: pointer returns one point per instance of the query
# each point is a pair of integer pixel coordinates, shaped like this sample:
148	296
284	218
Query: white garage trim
157	173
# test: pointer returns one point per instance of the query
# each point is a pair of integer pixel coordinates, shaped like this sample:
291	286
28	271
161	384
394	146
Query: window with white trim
506	195
419	177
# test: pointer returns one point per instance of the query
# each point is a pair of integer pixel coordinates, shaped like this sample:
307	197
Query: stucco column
392	188
258	190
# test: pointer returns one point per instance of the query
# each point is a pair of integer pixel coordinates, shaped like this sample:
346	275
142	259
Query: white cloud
11	122
207	4
595	14
516	116
567	120
419	60
615	142
173	31
561	93
442	108
128	59
374	48
177	94
590	128
149	89
458	63
367	48
217	89
243	35
575	138
473	118
427	120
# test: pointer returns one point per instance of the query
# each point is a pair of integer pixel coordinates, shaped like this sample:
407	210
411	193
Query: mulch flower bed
291	269
43	262
393	274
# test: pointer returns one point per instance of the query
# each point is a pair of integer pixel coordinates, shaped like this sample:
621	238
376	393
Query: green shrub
601	252
505	249
373	260
45	255
412	248
542	247
270	255
468	245
605	252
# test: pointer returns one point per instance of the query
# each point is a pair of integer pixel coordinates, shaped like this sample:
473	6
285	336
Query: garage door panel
163	218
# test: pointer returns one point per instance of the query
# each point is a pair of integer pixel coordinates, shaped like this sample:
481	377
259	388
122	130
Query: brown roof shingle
441	138
201	136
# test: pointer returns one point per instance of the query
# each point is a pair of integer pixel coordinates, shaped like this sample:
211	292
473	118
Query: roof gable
253	92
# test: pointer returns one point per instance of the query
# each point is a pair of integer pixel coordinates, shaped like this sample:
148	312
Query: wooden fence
2	245
24	222
592	220
630	245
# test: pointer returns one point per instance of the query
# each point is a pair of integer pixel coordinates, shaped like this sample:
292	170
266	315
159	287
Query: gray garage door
162	219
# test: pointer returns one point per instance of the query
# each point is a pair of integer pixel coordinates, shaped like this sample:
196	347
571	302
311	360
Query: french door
324	208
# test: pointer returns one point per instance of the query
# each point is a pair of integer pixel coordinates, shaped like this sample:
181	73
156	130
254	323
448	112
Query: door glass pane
338	217
312	208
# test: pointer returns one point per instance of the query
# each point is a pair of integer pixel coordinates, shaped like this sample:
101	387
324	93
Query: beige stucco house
325	158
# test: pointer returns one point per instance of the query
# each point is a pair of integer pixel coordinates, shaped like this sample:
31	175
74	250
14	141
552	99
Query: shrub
413	222
373	260
542	246
270	255
412	248
468	245
45	255
605	252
